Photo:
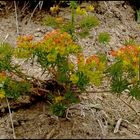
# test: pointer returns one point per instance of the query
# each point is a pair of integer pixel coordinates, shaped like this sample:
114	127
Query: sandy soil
98	114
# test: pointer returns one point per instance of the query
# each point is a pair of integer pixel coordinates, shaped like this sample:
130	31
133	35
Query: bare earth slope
97	115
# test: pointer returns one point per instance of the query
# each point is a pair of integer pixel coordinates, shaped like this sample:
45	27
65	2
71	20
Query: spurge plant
69	71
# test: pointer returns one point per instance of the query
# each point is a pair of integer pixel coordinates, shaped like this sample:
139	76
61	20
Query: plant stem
72	19
41	89
139	69
73	5
33	12
24	76
14	136
17	24
94	91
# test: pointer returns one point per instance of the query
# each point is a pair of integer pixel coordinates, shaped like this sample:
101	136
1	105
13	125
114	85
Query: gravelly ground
97	114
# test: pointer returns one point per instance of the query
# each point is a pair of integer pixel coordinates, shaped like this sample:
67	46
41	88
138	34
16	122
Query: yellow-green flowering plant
2	80
125	70
9	86
54	53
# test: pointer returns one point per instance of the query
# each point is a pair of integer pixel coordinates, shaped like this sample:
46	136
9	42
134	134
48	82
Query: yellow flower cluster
2	79
129	55
83	11
54	43
25	41
59	20
2	76
57	43
51	57
2	94
90	8
25	46
74	78
91	61
91	66
58	99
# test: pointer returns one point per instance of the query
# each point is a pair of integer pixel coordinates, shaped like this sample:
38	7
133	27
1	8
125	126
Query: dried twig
25	6
17	24
94	91
51	133
136	126
26	77
107	7
40	4
67	112
101	126
14	136
5	38
33	12
82	112
129	106
117	125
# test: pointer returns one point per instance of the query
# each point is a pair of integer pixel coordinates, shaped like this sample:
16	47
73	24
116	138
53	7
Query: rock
38	34
96	106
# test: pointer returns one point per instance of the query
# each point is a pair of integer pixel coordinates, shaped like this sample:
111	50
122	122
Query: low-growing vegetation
81	21
69	69
53	53
67	78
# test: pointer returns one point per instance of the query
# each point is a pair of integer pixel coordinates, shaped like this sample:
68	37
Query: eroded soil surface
98	113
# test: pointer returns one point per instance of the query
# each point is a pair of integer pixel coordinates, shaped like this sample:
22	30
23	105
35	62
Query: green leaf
62	69
73	4
135	91
59	109
104	37
69	96
6	52
13	89
115	70
119	85
83	80
89	22
42	58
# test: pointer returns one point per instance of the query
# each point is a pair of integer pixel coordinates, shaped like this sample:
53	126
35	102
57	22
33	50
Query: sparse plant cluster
9	86
125	71
80	23
104	38
67	77
54	54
